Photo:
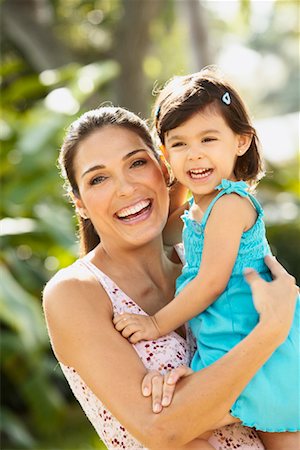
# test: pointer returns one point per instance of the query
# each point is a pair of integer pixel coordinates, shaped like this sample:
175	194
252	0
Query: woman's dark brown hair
183	96
79	130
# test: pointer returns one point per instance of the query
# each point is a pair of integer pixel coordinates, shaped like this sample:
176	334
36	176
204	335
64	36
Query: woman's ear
244	142
79	207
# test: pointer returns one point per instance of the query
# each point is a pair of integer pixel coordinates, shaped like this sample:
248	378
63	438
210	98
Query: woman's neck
148	261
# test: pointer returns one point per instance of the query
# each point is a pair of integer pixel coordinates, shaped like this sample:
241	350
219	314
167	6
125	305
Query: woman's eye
138	162
97	180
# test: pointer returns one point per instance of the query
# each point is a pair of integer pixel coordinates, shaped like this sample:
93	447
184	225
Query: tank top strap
107	284
228	187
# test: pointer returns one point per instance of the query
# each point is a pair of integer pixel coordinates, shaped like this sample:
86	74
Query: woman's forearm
202	399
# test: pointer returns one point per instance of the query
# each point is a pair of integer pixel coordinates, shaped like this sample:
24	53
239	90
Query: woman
119	192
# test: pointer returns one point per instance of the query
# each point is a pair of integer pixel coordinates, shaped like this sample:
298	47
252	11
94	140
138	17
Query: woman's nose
124	187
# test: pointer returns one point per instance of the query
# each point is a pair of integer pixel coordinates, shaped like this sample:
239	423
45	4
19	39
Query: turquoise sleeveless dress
271	401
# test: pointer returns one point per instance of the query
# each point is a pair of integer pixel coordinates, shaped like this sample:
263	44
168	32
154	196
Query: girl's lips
135	213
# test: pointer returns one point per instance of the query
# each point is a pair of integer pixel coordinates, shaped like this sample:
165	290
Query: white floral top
162	354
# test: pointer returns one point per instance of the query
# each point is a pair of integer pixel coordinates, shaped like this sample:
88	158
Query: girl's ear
79	207
244	142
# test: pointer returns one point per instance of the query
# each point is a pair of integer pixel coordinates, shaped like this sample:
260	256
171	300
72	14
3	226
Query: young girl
212	148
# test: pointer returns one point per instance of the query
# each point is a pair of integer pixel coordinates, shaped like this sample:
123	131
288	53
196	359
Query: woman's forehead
110	144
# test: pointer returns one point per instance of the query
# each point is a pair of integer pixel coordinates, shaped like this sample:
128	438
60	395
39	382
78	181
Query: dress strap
107	284
229	187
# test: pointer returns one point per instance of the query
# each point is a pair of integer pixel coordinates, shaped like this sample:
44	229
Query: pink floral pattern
162	354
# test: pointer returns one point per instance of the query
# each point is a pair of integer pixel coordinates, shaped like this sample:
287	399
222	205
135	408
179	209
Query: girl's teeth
200	173
133	209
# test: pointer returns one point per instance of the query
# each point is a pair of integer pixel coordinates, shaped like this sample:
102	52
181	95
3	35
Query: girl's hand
275	301
136	327
162	387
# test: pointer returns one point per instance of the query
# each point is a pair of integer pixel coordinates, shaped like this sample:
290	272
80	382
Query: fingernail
165	401
146	391
157	407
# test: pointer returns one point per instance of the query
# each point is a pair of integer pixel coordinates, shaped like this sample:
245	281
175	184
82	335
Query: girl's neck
202	201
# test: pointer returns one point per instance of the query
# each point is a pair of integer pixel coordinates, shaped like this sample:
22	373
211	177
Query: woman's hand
136	327
275	301
162	387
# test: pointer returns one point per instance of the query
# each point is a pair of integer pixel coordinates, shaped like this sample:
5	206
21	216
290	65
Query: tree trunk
196	21
28	25
131	45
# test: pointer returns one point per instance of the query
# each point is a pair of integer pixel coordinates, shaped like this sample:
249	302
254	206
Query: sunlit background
62	57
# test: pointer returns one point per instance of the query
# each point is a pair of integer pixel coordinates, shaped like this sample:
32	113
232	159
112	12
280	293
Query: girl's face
203	150
121	185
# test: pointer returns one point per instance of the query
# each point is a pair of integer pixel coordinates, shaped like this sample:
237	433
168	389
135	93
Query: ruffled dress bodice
232	316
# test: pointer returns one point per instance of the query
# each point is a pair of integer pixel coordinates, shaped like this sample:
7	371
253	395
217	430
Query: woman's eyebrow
102	166
133	153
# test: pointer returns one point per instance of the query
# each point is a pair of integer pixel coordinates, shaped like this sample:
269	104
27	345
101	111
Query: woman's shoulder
68	286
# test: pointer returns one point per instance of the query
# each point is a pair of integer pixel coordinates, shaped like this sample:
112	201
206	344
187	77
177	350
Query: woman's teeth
200	173
133	210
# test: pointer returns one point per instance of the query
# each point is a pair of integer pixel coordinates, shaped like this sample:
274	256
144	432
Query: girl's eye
98	179
139	162
209	139
177	144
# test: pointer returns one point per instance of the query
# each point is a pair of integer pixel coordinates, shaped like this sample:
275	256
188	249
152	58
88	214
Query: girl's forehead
203	117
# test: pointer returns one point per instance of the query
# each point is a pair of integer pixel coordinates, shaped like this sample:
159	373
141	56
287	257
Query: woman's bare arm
79	318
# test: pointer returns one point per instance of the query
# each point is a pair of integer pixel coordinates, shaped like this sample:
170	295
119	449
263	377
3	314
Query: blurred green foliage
38	228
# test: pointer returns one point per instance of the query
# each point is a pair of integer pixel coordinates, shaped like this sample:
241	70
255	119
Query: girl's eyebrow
102	166
178	136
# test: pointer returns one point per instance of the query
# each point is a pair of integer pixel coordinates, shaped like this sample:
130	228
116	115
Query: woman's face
121	186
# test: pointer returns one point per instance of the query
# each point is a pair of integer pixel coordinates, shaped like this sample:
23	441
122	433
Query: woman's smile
121	186
135	212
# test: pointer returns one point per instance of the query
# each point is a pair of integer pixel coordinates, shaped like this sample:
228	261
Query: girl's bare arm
79	318
221	244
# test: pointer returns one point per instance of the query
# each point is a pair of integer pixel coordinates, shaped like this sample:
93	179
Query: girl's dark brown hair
79	130
183	96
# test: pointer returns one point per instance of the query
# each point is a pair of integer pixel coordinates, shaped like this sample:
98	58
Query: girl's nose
195	152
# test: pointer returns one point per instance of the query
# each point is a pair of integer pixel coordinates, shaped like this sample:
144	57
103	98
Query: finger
178	373
136	337
275	267
252	276
157	389
122	324
120	317
130	330
147	382
168	392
